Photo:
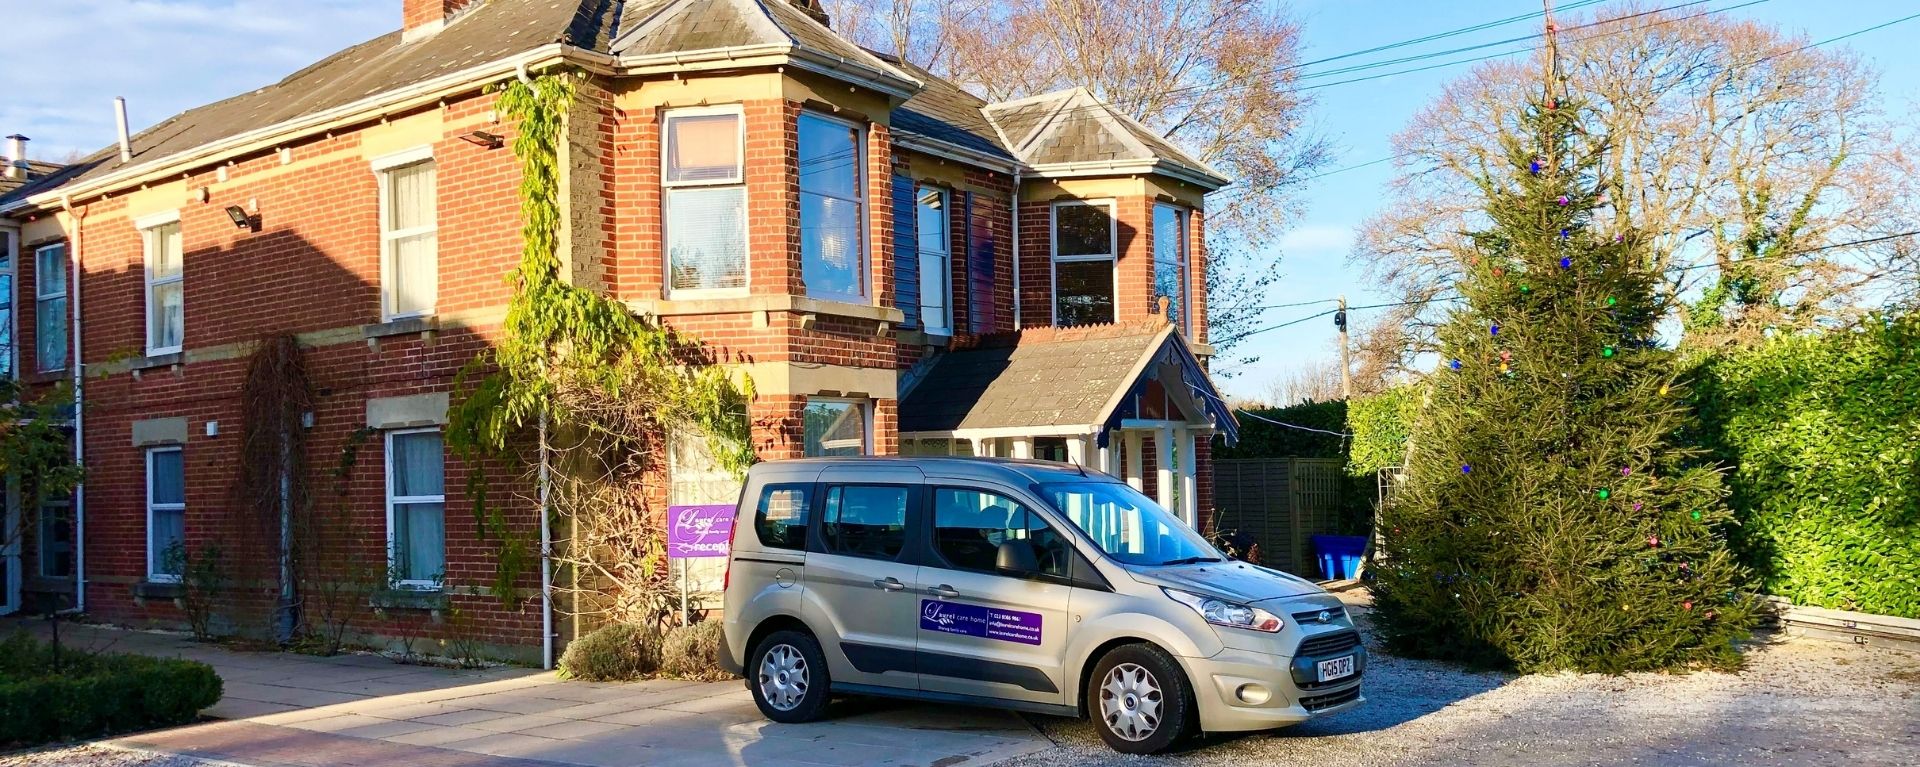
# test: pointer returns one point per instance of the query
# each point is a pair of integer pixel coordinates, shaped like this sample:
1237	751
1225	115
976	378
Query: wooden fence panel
1281	503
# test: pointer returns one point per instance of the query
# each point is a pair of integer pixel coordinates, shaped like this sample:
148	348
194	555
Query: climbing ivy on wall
592	386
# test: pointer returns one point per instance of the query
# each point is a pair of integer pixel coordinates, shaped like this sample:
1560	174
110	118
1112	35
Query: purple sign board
979	621
699	531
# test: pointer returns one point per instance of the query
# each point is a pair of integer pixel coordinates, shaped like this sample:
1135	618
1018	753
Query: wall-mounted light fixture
241	220
485	139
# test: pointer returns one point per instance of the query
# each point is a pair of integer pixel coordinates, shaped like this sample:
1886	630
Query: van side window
781	519
970	525
865	520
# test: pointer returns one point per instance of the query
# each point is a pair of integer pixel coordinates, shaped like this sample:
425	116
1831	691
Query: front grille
1329	700
1323	644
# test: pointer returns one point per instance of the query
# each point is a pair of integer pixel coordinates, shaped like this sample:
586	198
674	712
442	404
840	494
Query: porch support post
1023	447
1189	479
1108	452
1077	450
983	448
1136	472
1163	468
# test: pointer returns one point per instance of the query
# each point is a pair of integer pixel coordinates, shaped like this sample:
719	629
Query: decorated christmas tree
1550	519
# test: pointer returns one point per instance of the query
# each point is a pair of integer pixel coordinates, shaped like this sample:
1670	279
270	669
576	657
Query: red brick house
901	267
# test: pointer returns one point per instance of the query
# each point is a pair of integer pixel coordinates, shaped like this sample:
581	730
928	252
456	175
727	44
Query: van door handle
890	584
943	591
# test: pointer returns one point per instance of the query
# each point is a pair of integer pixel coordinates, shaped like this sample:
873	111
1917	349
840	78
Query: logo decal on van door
979	621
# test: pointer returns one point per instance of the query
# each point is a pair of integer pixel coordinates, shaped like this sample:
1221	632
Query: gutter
1107	168
951	151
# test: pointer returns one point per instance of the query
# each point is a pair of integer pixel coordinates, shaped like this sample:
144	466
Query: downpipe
79	503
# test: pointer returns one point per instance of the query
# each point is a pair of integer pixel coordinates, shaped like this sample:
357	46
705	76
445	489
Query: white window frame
153	557
396	500
148	227
10	252
1183	303
865	256
945	325
40	299
666	196
382	167
866	421
1112	255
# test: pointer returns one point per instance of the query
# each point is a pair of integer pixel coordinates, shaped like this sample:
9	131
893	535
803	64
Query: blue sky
64	63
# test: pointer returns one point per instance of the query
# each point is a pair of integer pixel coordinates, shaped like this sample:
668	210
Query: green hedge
94	695
1822	438
1261	439
1380	425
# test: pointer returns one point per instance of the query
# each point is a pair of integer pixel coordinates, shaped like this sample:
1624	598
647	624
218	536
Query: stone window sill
401	327
158	590
138	364
409	599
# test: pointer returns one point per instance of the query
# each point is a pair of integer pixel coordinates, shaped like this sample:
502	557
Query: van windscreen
1127	525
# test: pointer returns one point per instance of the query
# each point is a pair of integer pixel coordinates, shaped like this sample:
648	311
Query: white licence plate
1336	668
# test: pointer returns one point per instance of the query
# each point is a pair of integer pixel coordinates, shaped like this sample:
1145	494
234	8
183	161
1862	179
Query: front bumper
1241	690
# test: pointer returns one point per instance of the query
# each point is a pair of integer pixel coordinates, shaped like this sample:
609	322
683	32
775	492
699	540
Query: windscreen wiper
1188	561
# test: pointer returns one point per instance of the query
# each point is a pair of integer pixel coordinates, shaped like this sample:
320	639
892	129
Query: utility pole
1346	354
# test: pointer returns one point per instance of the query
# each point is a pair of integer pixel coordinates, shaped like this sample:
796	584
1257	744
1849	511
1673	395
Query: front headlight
1220	612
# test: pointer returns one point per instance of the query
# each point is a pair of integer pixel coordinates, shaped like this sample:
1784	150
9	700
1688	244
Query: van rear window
781	518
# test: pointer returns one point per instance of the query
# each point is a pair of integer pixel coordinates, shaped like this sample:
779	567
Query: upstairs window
50	307
166	515
166	313
936	258
705	200
833	208
409	235
1083	263
1170	262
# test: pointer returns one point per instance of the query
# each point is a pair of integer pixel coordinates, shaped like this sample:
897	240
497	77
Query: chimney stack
813	8
16	157
120	122
420	19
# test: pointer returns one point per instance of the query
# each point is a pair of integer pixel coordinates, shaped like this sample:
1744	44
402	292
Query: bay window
705	199
833	208
836	427
1170	261
932	207
1084	244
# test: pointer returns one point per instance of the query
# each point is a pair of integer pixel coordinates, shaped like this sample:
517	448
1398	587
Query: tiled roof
946	112
1074	126
1043	377
36	170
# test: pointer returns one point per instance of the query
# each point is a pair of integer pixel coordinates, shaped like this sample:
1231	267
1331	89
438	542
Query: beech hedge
94	695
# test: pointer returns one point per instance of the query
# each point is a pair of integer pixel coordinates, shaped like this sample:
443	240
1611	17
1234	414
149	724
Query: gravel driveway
1799	702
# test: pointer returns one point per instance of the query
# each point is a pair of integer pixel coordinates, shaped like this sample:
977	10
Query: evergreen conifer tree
1550	519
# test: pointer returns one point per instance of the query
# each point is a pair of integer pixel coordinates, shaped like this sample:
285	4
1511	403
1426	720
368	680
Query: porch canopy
1101	397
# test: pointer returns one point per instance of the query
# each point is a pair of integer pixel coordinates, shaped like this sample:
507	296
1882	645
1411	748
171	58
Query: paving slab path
287	710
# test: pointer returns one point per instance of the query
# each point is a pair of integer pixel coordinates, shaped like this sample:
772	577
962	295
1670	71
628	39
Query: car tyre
1139	701
787	674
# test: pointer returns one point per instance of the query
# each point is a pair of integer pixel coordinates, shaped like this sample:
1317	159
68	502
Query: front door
985	633
860	578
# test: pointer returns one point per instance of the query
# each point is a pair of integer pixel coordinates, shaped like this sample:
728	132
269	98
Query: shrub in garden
1823	436
93	695
617	652
693	652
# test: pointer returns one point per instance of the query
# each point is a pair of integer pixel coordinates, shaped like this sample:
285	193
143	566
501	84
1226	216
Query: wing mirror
1016	557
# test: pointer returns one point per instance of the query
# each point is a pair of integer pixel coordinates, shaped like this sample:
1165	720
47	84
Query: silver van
1027	585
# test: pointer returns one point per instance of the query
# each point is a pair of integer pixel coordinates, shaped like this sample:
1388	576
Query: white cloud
65	61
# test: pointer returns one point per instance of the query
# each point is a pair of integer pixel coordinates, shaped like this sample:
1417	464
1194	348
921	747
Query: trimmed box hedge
94	695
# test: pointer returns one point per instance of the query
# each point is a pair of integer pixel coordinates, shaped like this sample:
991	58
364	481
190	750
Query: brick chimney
814	9
421	18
